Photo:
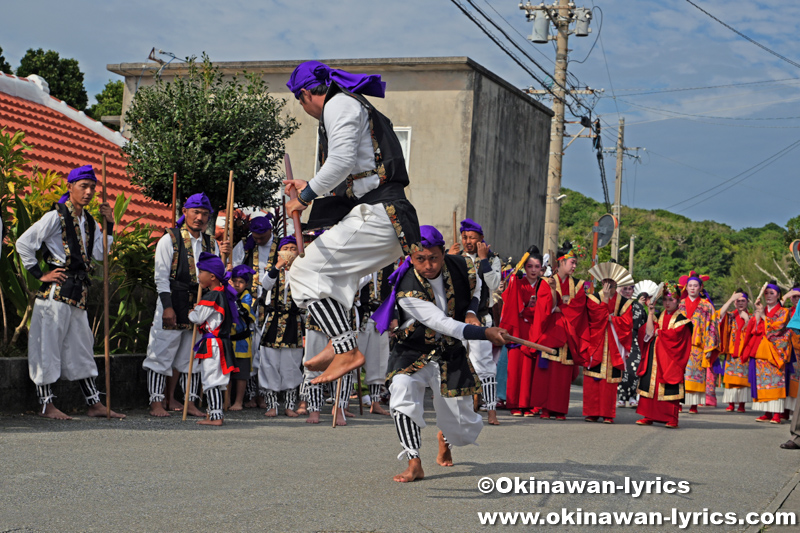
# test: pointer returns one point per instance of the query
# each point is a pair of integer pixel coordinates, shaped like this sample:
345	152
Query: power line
742	35
605	60
716	117
533	47
727	85
777	155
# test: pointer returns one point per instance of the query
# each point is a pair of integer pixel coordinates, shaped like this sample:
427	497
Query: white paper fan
645	286
612	271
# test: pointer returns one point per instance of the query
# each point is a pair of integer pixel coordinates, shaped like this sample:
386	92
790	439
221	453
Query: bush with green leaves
203	125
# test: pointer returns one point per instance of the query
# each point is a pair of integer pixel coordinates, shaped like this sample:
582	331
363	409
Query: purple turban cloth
195	201
287	240
431	238
774	288
312	74
384	314
212	263
470	225
86	172
261	224
244	272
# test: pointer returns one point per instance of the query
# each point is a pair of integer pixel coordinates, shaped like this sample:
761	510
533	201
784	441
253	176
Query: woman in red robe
666	347
560	323
519	305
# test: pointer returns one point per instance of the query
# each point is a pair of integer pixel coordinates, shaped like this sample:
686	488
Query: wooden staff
106	323
455	229
336	401
191	358
298	228
358	392
174	197
761	293
529	344
228	204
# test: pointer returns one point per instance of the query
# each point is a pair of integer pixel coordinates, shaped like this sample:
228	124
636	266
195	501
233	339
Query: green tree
792	234
203	126
63	75
109	102
4	66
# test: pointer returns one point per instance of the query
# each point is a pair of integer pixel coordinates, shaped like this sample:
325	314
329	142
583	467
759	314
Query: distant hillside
670	245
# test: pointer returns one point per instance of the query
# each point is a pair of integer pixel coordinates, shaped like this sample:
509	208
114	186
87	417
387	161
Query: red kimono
661	372
563	330
603	355
517	318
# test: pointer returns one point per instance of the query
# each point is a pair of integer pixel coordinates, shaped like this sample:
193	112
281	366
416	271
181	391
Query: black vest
182	281
486	296
367	301
285	329
74	290
390	167
417	344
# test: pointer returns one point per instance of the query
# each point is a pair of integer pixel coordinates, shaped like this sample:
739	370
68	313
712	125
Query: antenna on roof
152	56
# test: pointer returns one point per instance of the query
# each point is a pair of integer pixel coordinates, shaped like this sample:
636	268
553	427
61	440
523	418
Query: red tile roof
61	143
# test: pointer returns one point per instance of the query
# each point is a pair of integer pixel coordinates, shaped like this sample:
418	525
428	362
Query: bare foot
445	457
301	409
262	404
205	422
290	413
350	415
174	405
157	409
493	418
313	417
376	409
340	418
98	410
412	473
342	364
321	361
50	411
272	412
192	410
236	407
251	404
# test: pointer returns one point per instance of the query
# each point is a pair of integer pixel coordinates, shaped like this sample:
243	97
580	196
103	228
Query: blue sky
644	46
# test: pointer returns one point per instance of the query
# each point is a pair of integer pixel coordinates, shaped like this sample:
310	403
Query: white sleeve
363	282
30	241
344	119
268	282
432	317
204	313
97	245
238	254
492	277
163	264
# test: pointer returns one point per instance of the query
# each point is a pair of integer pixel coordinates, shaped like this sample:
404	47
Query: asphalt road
147	474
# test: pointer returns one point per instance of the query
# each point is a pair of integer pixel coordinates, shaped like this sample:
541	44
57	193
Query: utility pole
561	14
618	188
630	256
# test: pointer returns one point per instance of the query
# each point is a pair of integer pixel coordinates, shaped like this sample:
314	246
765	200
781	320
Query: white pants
361	243
280	368
168	348
481	357
60	343
455	417
736	395
375	348
211	371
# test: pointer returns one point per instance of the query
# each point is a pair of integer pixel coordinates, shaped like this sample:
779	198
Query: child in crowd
242	332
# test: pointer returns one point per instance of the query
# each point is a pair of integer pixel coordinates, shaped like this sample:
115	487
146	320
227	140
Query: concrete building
474	144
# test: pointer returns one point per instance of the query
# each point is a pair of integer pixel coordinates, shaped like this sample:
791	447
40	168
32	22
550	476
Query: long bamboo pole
228	217
174	197
191	359
106	322
336	402
298	228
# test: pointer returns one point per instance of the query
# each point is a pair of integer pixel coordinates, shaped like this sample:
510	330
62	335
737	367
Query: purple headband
745	295
195	201
244	272
695	278
470	225
86	172
431	237
312	74
211	263
287	240
774	288
383	315
261	224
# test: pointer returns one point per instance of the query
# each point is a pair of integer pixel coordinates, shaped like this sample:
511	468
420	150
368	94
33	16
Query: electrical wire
634	92
766	162
605	60
599	30
718	117
533	47
742	35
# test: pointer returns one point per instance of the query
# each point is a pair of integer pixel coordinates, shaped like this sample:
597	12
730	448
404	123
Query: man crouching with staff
372	222
438	297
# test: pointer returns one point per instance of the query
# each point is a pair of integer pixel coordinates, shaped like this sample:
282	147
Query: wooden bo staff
761	293
529	344
336	401
360	399
191	359
298	227
455	228
106	323
174	197
228	222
